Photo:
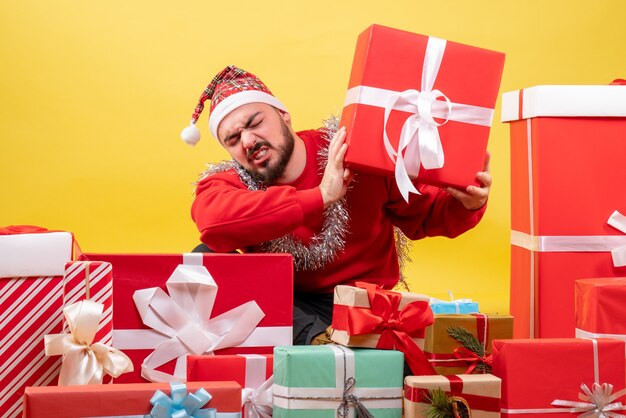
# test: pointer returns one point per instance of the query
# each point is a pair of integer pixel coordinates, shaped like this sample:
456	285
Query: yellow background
95	93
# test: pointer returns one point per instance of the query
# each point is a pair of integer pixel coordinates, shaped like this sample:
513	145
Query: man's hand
336	177
475	197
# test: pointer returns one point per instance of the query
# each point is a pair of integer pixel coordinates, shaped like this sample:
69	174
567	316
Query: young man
290	192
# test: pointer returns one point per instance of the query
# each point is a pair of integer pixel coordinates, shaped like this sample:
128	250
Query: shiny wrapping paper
564	140
118	400
481	392
439	346
536	372
391	61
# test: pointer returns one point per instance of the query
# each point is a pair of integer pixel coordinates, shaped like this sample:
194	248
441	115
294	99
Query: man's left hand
474	197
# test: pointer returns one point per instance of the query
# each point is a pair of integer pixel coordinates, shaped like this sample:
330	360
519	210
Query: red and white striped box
30	307
91	280
32	261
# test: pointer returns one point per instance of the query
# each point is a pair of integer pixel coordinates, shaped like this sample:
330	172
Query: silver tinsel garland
330	241
326	244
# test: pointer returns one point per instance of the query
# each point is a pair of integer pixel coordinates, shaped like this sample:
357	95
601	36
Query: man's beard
271	173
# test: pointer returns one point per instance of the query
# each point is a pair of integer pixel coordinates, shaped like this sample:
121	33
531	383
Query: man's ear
286	117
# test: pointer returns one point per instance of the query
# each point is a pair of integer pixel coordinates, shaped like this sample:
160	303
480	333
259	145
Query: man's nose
248	139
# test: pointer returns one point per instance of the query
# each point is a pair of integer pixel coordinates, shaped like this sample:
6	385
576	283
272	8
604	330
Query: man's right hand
336	177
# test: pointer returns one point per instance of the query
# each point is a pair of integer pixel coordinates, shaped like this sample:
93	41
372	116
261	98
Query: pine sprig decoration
441	405
470	342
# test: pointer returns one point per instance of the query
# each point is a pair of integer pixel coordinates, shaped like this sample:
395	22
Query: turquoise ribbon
181	404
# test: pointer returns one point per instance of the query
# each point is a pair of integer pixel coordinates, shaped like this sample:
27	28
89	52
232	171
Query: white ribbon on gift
615	244
185	318
331	398
85	362
258	403
419	142
256	395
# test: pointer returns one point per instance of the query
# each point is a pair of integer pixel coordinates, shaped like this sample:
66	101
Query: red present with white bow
32	262
169	306
560	377
252	371
420	107
567	166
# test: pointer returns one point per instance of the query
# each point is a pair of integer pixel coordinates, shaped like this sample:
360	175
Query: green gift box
326	381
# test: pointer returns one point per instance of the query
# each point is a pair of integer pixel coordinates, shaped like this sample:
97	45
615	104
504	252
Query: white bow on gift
618	221
419	143
185	317
599	403
258	403
85	363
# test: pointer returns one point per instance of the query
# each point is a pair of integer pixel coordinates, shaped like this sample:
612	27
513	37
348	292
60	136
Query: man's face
256	135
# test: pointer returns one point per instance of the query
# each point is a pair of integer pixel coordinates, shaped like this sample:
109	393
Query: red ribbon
22	229
464	354
618	82
397	328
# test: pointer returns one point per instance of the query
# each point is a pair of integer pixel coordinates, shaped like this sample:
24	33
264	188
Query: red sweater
229	216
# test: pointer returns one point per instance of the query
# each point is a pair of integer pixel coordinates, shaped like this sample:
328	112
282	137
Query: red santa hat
230	89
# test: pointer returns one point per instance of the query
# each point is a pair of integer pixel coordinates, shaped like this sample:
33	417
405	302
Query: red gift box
564	140
393	66
266	279
536	372
119	399
30	307
251	371
600	308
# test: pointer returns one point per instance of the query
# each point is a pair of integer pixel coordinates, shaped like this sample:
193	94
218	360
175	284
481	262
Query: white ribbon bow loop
419	143
618	221
185	317
258	403
85	363
598	403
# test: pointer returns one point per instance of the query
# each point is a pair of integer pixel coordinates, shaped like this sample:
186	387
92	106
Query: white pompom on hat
230	89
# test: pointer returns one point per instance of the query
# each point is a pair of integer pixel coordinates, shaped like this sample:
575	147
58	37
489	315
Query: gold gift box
439	346
479	392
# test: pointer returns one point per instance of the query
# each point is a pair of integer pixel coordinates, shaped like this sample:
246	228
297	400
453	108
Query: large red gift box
600	308
266	279
536	372
32	261
392	64
567	165
123	400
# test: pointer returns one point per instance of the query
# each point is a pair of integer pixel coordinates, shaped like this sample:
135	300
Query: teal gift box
326	381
